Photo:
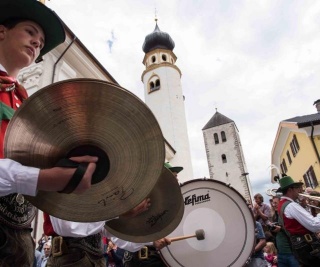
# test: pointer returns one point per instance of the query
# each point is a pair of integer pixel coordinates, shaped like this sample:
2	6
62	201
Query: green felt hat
286	182
35	11
173	169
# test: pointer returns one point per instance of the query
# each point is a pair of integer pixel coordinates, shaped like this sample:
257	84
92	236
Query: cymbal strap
77	176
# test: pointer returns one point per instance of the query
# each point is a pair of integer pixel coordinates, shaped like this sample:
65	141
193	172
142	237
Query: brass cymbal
163	216
82	113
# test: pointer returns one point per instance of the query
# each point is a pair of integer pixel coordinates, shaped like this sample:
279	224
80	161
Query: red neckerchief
8	84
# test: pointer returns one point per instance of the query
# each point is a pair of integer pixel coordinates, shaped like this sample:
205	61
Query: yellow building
296	149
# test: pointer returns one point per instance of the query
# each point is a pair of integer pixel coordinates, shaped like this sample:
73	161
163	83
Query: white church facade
164	96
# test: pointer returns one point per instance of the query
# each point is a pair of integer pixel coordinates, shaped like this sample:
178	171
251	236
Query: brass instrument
272	192
313	206
310	197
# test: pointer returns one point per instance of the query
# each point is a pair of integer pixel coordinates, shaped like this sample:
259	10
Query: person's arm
260	245
16	178
161	243
55	179
134	247
261	237
117	255
296	211
264	213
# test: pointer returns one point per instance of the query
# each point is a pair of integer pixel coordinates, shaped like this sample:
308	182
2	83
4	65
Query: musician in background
285	256
313	205
299	225
150	255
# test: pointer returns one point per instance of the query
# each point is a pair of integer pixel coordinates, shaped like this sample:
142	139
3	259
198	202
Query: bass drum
227	222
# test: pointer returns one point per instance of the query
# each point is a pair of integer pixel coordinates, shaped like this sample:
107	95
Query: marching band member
28	30
298	223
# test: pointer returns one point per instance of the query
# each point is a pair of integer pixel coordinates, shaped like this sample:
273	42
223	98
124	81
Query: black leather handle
77	176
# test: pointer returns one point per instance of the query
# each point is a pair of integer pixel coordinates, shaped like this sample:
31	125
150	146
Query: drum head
226	220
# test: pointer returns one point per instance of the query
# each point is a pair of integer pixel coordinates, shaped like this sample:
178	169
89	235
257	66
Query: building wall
167	104
230	172
305	157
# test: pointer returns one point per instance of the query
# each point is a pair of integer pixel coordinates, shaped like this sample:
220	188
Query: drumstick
199	235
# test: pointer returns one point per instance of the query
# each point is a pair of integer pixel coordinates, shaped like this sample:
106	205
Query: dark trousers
153	260
16	247
307	253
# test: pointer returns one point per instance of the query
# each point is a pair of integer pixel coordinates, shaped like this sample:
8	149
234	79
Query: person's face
295	192
275	203
258	200
266	249
47	250
23	42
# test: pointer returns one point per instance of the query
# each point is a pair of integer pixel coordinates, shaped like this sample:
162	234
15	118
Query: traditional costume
16	214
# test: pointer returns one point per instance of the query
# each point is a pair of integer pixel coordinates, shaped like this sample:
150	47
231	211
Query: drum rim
235	191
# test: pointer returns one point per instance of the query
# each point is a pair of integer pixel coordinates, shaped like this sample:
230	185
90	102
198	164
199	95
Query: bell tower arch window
154	84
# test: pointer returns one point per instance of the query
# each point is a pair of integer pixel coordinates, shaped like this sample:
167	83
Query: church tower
163	95
224	154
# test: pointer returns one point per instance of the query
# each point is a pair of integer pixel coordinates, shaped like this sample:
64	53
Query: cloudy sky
257	62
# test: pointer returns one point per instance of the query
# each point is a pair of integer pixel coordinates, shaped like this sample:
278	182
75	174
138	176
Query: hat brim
176	169
288	186
35	11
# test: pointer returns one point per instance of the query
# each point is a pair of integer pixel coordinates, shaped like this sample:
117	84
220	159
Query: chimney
317	104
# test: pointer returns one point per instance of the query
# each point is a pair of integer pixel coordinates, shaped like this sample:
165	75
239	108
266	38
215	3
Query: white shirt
296	211
75	229
79	229
16	178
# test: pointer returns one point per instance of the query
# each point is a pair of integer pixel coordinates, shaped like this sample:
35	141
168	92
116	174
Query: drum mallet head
199	234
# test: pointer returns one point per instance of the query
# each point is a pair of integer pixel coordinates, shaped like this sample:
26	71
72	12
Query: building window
294	145
289	157
164	57
223	136
153	59
283	166
216	138
154	84
224	158
310	179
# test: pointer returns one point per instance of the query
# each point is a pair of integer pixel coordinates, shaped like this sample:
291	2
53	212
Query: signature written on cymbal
155	218
116	193
60	122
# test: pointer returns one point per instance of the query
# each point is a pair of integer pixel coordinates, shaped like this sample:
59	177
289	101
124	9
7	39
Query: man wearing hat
174	170
28	30
298	223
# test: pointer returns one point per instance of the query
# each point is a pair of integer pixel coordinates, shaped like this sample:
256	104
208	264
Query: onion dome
157	39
